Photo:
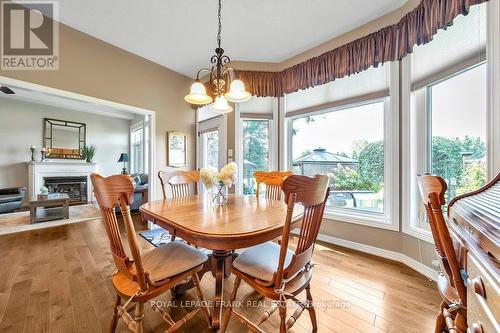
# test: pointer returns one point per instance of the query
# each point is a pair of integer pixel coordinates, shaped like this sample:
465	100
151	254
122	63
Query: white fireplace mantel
38	170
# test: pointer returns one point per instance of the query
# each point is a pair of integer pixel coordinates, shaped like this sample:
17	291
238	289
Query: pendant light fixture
220	75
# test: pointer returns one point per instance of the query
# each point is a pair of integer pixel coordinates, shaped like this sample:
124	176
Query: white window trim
390	218
493	69
273	141
493	124
134	127
217	123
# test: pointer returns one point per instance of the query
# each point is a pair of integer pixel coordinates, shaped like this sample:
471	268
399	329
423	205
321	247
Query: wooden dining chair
276	272
144	276
180	183
452	313
273	181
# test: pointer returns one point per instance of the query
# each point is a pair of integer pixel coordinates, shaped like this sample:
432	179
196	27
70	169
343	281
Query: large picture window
347	145
445	125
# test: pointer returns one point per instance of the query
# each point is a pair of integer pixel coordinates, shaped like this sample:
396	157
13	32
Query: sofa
140	191
11	198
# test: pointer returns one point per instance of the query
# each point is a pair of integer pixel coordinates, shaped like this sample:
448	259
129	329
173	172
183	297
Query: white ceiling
181	35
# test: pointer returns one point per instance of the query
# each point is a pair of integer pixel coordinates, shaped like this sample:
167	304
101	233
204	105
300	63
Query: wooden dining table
243	222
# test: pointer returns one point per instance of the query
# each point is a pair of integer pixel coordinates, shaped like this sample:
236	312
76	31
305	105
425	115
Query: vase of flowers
219	182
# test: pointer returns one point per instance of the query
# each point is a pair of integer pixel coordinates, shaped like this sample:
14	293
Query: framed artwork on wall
176	149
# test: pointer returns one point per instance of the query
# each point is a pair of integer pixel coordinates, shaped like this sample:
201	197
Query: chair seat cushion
261	261
171	259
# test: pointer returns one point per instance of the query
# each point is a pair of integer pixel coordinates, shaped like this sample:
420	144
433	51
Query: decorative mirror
63	139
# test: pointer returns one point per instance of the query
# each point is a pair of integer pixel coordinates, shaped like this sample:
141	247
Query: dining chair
277	272
452	313
273	181
144	276
180	183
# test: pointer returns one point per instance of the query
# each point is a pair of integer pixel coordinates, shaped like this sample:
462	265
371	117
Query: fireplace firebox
75	187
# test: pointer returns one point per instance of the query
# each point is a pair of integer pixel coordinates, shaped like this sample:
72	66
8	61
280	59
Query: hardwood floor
59	280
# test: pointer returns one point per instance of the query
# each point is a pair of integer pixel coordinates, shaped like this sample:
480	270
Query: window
347	145
210	145
137	148
445	125
255	151
348	129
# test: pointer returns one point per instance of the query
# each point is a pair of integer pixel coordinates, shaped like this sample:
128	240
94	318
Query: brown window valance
387	44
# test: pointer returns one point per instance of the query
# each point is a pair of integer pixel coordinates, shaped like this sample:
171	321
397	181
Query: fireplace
74	186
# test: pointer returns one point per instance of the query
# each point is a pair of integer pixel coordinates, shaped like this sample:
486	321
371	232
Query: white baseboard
391	255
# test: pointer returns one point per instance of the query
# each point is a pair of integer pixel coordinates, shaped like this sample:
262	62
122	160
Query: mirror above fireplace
64	139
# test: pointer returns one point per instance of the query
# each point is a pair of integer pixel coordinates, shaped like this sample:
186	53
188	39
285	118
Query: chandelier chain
220	25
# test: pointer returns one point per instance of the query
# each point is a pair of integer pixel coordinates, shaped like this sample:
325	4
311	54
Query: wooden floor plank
59	280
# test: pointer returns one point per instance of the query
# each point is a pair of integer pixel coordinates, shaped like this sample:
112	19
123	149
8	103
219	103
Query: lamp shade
198	95
237	92
123	157
221	105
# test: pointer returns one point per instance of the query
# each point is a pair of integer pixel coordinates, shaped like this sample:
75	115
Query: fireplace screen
74	187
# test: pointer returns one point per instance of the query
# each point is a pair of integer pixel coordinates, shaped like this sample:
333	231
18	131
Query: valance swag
388	44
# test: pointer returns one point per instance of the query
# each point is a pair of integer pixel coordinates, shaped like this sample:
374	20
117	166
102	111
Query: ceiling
181	35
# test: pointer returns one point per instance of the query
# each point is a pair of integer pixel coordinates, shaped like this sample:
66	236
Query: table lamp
123	158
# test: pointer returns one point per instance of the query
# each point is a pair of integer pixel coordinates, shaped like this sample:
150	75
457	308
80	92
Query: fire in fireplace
75	187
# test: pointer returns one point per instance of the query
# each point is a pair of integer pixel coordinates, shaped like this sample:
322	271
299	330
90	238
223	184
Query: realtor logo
29	35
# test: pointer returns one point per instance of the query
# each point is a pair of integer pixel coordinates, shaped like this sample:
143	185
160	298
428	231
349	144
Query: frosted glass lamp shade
198	95
221	105
237	92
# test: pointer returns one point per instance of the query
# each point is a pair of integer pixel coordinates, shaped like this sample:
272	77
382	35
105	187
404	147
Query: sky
458	109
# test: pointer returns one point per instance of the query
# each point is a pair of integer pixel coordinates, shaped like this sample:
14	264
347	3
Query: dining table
244	221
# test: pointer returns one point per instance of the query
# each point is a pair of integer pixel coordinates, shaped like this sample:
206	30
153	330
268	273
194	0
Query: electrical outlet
435	265
229	152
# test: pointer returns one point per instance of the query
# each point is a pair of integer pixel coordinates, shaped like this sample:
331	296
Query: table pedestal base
219	264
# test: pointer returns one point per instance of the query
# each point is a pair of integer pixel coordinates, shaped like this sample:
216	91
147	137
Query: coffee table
55	207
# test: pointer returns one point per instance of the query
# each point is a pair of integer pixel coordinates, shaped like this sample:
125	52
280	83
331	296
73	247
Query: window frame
390	218
418	128
140	125
272	154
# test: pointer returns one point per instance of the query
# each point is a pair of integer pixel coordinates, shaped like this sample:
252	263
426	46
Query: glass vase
219	194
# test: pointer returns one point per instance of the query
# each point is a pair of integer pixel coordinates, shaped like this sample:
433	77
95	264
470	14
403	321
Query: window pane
458	122
255	151
211	149
348	146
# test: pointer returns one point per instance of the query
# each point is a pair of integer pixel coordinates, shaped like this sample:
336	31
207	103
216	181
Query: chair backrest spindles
118	190
179	182
432	191
273	181
312	194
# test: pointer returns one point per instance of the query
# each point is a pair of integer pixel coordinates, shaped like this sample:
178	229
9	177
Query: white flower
209	177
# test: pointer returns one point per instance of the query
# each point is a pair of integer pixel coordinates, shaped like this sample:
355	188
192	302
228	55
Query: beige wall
94	68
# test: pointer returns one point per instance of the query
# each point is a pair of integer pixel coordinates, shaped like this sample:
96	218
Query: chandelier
220	76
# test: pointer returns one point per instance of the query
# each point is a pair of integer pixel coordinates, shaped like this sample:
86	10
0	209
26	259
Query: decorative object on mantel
124	158
219	182
33	149
88	153
44	193
176	149
220	75
43	152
